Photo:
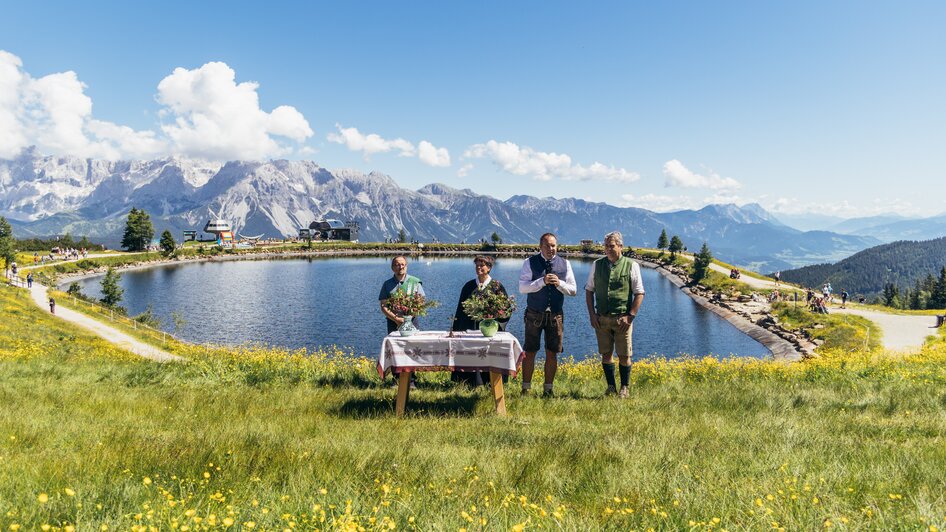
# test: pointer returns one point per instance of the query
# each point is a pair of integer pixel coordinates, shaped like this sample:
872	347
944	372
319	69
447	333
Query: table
437	351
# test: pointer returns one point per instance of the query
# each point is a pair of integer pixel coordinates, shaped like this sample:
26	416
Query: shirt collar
482	286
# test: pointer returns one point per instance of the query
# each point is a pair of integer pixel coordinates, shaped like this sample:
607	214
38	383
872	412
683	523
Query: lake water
315	302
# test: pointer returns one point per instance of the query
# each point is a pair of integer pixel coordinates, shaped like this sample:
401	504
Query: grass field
93	438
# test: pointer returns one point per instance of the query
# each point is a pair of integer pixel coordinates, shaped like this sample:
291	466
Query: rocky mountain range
44	195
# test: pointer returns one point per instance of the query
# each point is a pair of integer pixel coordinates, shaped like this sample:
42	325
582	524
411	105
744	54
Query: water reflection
333	301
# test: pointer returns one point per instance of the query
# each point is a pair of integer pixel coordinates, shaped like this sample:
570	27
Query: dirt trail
901	333
40	296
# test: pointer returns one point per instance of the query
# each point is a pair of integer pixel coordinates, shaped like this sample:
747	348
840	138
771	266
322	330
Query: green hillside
902	264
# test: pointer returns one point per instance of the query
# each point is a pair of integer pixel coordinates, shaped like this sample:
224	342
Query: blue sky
828	107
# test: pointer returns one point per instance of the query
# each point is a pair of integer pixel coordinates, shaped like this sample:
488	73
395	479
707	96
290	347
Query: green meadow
93	438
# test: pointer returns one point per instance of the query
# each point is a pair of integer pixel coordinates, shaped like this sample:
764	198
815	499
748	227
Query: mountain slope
866	272
48	195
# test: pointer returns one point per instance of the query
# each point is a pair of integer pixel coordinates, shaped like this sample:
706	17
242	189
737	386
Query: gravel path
901	333
110	334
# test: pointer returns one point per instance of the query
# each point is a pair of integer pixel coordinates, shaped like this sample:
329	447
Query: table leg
499	395
403	389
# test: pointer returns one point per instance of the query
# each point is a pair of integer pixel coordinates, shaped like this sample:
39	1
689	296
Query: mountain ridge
277	197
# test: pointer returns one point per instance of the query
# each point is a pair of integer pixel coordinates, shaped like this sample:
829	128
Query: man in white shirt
545	278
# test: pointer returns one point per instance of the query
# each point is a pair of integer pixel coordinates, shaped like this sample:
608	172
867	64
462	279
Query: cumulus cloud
464	170
54	114
544	166
373	143
207	114
678	175
214	117
432	155
659	203
843	208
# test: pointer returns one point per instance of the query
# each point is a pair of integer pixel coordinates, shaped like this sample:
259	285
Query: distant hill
901	263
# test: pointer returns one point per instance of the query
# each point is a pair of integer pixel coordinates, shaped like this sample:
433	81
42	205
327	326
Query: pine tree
7	243
111	292
168	245
401	236
676	246
662	242
138	231
938	297
701	263
496	238
891	295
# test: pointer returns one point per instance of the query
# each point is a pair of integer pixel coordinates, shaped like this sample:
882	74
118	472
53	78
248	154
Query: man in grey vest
614	293
546	278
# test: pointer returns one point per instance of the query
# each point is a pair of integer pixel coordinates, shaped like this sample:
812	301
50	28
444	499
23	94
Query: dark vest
549	297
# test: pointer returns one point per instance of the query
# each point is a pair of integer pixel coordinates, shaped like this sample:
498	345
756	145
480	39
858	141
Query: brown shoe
623	393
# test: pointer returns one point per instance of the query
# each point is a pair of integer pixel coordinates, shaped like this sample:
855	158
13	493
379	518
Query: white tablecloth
434	350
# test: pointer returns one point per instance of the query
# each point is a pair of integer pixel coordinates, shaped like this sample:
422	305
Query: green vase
489	327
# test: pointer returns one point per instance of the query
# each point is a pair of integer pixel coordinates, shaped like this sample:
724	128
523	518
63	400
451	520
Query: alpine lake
314	302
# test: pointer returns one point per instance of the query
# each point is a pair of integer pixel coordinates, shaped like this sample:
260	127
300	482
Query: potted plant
487	307
407	306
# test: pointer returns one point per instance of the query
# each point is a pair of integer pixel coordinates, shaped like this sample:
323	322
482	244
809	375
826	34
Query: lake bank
779	347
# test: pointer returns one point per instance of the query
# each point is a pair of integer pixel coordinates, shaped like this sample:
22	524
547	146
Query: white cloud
373	143
678	175
659	203
216	118
464	170
370	144
12	133
54	113
209	116
844	208
432	155
543	166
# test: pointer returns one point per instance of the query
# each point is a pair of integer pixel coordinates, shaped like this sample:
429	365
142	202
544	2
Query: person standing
546	278
29	280
52	306
399	281
482	284
613	294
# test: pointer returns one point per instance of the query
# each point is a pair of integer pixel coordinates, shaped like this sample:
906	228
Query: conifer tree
138	231
701	263
676	246
111	292
7	243
168	245
662	242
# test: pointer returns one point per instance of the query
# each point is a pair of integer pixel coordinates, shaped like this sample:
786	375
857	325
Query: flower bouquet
403	304
487	307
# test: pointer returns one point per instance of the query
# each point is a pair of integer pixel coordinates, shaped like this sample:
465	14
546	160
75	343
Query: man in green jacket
614	293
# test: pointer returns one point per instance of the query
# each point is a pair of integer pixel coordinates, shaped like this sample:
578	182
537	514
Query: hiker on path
52	305
613	294
546	278
29	280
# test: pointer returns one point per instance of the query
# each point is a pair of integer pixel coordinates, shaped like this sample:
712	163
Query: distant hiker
778	277
29	280
52	305
613	294
844	296
13	267
546	278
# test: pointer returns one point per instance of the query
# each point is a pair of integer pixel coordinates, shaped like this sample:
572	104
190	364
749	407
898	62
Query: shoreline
781	349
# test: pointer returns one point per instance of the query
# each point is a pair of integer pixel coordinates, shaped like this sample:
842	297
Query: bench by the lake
437	351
